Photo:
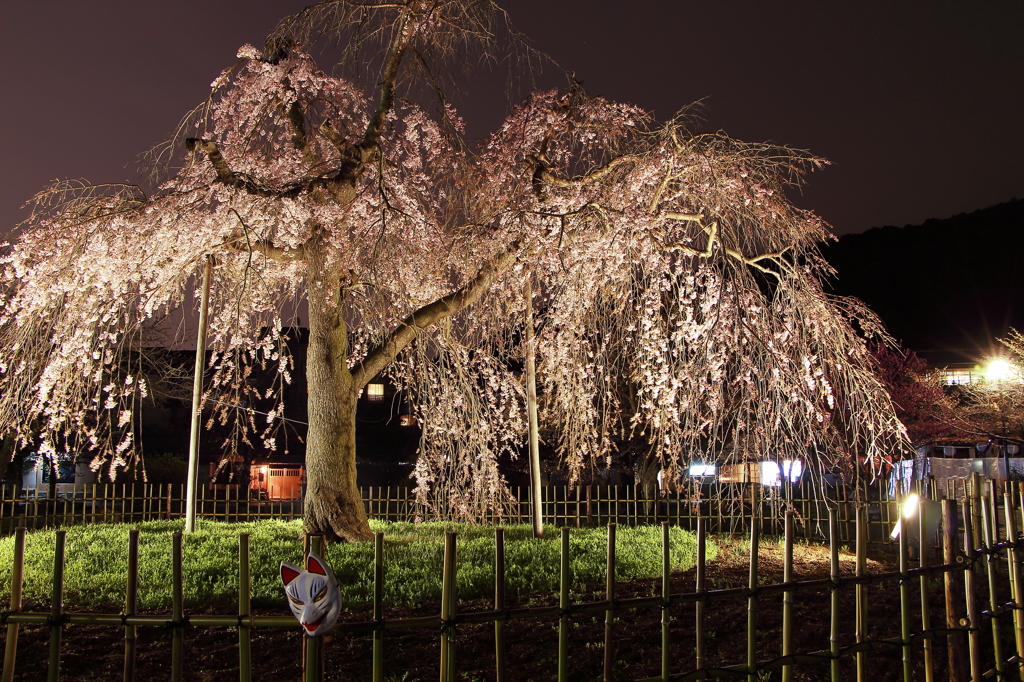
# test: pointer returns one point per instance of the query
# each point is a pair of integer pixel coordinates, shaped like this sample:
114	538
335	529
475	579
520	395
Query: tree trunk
333	504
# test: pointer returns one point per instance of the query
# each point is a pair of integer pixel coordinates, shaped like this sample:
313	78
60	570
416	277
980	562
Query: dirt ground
96	652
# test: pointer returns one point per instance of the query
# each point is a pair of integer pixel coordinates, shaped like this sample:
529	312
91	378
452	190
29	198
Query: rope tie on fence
174	624
835	584
449	627
58	621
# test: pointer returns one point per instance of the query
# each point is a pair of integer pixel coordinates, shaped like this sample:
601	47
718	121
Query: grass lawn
97	557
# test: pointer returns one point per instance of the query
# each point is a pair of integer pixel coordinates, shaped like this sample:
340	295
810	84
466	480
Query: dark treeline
947	288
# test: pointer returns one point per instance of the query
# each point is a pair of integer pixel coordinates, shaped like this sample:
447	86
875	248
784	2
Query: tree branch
379	357
541	171
266	249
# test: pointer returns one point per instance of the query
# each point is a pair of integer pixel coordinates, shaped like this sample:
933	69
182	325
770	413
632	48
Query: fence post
131	604
988	528
17	573
666	599
448	582
1015	574
973	617
924	554
313	663
563	607
499	604
956	644
702	540
244	620
833	550
860	591
905	598
755	542
787	596
378	607
56	608
178	633
609	593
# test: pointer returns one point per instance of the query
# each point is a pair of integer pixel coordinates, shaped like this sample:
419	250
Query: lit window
793	470
770	474
374	392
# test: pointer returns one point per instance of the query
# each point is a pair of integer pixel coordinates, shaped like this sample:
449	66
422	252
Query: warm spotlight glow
998	370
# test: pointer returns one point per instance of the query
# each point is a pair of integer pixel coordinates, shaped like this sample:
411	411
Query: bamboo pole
755	541
702	548
178	633
666	599
563	607
1015	574
313	664
499	604
378	607
787	596
924	550
536	507
56	608
905	600
244	610
197	397
861	595
833	550
609	614
17	582
970	592
988	527
956	644
447	609
131	605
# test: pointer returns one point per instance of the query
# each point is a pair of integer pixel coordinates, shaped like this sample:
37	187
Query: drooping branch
379	357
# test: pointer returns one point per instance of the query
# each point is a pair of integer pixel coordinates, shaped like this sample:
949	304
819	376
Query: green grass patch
97	558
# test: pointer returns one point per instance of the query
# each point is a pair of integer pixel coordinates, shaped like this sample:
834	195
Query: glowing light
702	470
998	370
910	505
770	474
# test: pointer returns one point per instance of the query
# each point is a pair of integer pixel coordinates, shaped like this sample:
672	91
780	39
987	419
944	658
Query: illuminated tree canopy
678	291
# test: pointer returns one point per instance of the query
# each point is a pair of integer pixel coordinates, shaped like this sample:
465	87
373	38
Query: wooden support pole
956	644
197	397
536	508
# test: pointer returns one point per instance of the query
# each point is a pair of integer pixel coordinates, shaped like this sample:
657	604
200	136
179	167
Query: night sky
919	105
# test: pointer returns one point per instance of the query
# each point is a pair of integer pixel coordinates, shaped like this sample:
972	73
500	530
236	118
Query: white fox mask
313	594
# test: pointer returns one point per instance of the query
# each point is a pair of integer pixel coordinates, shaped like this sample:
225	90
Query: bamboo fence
984	626
729	508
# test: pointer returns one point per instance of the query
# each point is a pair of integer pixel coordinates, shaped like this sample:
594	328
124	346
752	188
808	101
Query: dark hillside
946	288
